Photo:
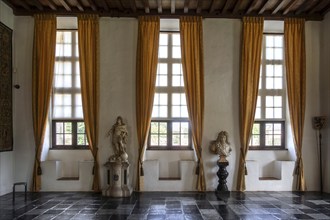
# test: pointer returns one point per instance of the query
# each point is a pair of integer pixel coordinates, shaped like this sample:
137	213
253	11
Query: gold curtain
249	83
295	62
88	40
146	68
42	80
191	32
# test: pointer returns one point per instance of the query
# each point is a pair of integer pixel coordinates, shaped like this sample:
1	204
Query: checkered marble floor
167	205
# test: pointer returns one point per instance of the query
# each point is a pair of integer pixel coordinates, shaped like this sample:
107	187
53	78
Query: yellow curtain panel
88	37
146	68
249	82
295	63
191	32
42	81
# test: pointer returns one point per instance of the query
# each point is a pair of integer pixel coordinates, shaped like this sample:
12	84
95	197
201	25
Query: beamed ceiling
270	9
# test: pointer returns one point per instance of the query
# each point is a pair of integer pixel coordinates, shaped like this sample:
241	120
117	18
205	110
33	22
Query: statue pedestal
118	179
222	174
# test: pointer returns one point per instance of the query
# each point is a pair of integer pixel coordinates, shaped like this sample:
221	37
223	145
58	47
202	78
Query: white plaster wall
118	40
325	100
7	158
310	156
221	68
23	131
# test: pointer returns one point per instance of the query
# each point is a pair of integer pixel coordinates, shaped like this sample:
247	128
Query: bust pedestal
118	179
222	174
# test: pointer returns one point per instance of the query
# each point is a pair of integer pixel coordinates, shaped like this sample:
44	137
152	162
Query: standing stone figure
119	134
221	146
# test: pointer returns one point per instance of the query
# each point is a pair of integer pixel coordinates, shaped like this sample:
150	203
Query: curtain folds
88	36
295	62
249	83
146	68
42	81
191	32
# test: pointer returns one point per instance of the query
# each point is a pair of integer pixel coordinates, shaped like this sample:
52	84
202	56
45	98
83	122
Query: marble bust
221	146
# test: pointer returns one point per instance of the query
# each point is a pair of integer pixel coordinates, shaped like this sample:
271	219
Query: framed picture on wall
6	107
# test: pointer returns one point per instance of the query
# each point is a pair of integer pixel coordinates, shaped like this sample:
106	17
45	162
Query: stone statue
119	134
221	146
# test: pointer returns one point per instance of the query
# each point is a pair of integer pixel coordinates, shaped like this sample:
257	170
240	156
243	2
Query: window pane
184	112
176	69
176	39
176	111
80	127
162	98
67	112
278	70
67	50
184	127
176	127
269	53
176	140
68	139
161	80
269	128
269	101
256	128
154	127
269	70
269	41
278	83
163	128
184	140
163	111
67	127
176	80
59	127
277	140
81	139
183	99
278	54
162	67
176	52
162	140
162	52
176	99
154	140
269	140
277	112
255	140
257	113
163	39
269	83
59	139
155	112
277	128
278	41
278	101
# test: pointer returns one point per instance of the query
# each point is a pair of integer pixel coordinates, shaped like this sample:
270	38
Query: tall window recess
268	131
68	128
170	127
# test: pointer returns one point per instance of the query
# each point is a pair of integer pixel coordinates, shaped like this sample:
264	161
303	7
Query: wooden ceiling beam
186	6
159	6
251	6
290	6
263	8
79	5
24	5
104	5
199	6
225	8
65	5
51	4
38	5
133	5
92	5
172	6
237	6
319	6
146	6
279	5
213	6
